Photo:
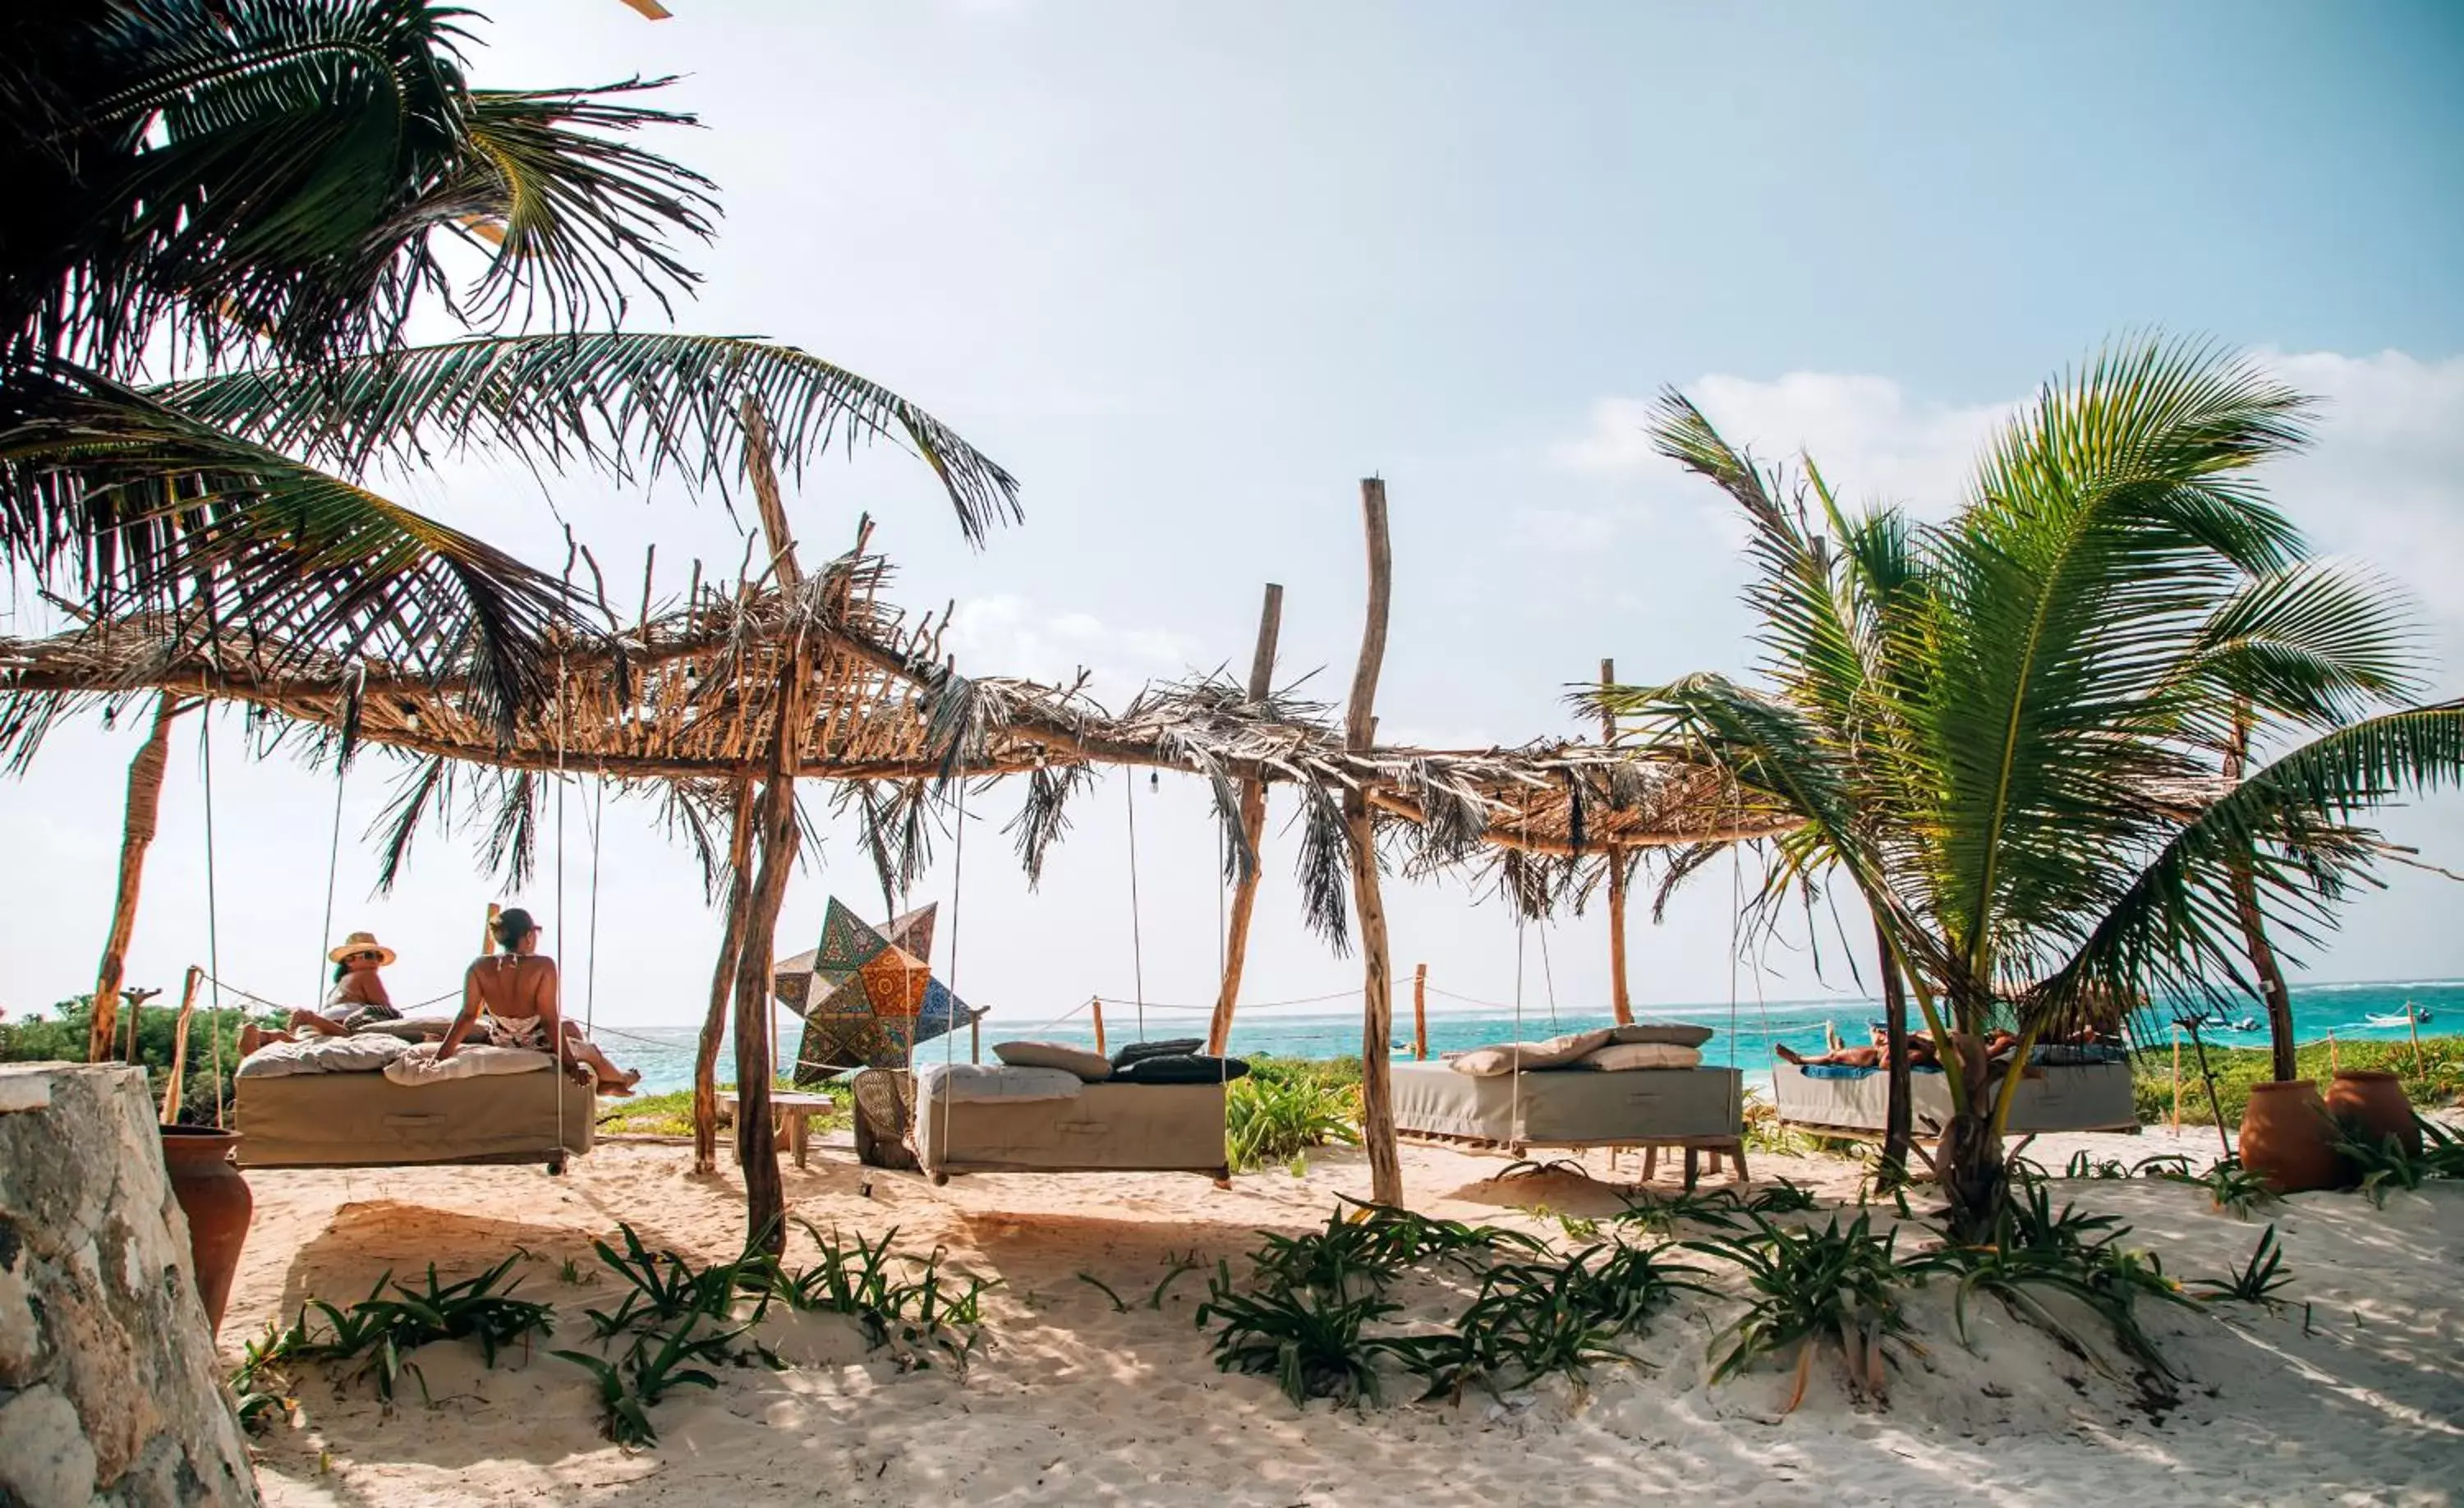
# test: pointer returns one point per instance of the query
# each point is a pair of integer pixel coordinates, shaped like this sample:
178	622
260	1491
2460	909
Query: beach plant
1307	1337
1371	1244
663	1286
907	1299
1270	1119
1808	1288
1535	1318
2255	1280
381	1331
2230	1186
262	1385
2021	733
657	1363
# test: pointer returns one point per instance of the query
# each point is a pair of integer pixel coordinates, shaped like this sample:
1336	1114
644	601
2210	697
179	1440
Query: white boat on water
2411	1016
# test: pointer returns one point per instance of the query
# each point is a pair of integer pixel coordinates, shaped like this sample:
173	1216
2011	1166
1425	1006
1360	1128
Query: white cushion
1617	1057
364	1052
418	1064
1091	1067
1557	1052
962	1083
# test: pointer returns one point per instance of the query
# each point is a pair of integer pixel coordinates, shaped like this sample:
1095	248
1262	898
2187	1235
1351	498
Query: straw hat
363	943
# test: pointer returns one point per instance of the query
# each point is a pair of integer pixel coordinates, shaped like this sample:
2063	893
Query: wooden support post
779	835
722	981
1096	1005
2331	1050
1369	905
488	930
2412	1021
1253	832
136	834
173	1084
1619	1001
2177	1081
1419	1012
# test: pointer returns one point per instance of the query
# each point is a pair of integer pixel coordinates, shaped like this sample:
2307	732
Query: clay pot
2371	1103
215	1199
2286	1137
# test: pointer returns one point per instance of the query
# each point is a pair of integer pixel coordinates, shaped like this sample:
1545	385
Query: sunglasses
356	958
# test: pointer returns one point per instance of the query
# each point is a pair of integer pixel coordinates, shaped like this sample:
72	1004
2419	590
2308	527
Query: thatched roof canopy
690	694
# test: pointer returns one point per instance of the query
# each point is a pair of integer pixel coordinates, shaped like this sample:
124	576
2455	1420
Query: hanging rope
950	1038
214	926
1548	976
556	1088
1138	944
1514	1089
1736	901
333	866
591	979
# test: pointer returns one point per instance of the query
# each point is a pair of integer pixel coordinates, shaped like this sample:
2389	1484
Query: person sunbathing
1920	1054
509	1000
357	997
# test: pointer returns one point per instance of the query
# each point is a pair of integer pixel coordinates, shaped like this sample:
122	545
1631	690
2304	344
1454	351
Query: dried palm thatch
685	704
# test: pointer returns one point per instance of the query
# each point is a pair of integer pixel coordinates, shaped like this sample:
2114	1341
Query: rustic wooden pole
1619	1000
2177	1081
2412	1021
1419	1012
1097	1007
172	1085
136	1001
2243	882
1369	905
1253	830
1899	1101
137	832
722	981
2331	1050
779	835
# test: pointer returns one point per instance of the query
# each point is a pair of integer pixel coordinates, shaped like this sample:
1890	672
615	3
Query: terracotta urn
216	1200
2286	1138
2371	1103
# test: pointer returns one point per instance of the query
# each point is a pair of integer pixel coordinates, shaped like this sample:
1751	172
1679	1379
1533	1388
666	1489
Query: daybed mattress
1121	1127
1570	1106
363	1120
2075	1097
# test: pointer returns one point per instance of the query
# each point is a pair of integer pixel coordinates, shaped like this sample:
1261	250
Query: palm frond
2317	644
1325	869
140	508
630	404
425	786
1042	817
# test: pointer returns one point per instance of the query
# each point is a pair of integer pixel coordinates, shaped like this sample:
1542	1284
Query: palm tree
2008	731
254	197
258	195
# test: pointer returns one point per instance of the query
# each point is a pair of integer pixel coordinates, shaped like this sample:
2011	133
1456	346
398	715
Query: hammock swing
365	1120
1106	1126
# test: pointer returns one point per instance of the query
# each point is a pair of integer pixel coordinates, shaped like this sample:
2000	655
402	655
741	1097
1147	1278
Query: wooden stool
791	1113
1717	1146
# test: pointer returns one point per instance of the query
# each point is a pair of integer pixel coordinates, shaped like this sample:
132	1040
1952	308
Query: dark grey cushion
1177	1048
1180	1068
1674	1034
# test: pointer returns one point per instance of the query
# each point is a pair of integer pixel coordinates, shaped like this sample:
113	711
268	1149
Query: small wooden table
791	1112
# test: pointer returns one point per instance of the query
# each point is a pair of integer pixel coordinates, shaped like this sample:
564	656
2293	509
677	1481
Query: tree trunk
1968	1159
1253	830
1898	1113
2244	882
722	982
137	832
1376	981
1621	1002
765	1205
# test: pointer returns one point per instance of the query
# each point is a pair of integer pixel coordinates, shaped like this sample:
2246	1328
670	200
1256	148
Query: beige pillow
418	1065
1617	1057
1557	1052
1676	1034
1094	1067
364	1053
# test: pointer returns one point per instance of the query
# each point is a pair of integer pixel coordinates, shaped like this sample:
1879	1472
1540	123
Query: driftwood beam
1369	906
1253	832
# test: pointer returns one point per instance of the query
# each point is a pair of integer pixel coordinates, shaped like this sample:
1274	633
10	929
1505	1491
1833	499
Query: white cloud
1870	437
2384	483
1008	634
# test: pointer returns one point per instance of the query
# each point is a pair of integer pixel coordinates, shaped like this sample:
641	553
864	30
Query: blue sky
1191	271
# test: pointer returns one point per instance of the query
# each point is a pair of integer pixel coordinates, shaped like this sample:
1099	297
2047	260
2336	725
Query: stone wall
110	1390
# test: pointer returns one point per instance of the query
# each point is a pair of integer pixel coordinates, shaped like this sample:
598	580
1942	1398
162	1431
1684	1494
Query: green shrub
62	1037
1839	1286
1283	1107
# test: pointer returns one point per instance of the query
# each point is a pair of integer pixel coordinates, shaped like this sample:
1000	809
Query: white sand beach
2354	1395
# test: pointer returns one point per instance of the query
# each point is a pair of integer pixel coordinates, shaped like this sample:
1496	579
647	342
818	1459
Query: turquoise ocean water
665	1054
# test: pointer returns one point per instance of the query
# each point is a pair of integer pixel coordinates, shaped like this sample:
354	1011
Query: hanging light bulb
1154	779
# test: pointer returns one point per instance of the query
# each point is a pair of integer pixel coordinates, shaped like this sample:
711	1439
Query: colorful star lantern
867	994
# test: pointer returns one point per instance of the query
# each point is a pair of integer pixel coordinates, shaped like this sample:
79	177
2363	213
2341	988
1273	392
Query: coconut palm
258	196
2008	731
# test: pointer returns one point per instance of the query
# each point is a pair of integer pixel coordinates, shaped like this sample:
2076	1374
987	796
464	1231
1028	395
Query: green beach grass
2434	1082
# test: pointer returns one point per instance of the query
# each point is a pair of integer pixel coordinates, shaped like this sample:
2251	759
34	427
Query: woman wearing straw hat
357	997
